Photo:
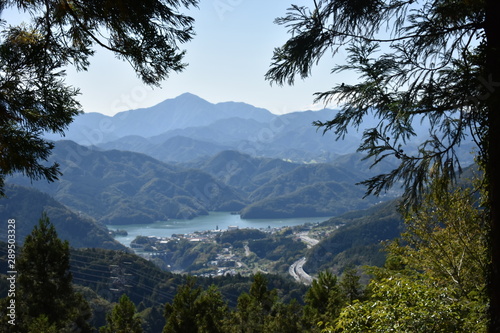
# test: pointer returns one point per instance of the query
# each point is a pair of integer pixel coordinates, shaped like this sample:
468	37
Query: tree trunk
492	72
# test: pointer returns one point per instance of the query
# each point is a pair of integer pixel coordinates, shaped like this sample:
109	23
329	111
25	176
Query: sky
228	58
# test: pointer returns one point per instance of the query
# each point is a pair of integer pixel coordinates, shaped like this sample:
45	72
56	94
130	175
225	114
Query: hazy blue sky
227	59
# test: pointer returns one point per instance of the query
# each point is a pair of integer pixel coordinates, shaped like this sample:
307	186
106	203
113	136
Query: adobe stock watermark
95	136
222	7
130	100
11	271
489	85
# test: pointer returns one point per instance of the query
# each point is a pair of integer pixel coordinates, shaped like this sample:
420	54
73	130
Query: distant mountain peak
188	95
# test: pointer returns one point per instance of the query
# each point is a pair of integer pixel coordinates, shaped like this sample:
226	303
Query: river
214	220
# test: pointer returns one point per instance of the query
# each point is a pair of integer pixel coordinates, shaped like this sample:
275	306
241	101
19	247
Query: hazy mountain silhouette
222	126
186	110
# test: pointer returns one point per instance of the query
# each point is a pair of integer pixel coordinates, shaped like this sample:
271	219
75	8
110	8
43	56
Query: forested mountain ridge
358	240
125	187
277	188
212	128
120	187
26	206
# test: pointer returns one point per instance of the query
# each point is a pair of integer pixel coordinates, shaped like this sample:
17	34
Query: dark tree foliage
45	283
436	61
323	300
430	70
255	307
123	318
195	310
33	95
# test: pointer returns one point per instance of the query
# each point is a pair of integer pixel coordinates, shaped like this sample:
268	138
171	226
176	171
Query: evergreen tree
350	286
123	318
431	60
254	308
181	314
41	325
285	318
33	95
196	310
46	294
212	311
323	301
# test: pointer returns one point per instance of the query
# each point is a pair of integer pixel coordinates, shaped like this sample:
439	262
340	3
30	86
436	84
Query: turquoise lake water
220	220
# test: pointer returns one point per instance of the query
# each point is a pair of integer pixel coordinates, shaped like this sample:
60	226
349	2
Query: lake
221	220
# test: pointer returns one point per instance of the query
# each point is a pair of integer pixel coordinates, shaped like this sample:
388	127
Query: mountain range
26	205
188	127
185	157
122	187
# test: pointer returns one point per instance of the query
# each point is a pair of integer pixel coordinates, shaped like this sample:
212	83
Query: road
296	270
308	240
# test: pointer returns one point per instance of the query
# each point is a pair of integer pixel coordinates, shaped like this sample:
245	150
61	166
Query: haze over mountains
186	157
121	187
187	127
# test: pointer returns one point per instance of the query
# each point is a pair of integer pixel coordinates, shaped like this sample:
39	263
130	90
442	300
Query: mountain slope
174	149
289	136
358	239
319	199
243	171
223	126
26	205
277	188
117	187
186	110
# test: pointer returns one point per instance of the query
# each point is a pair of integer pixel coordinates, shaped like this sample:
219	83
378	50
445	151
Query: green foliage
350	286
46	298
324	301
357	240
446	237
275	248
212	311
194	310
436	280
152	318
41	325
34	98
413	303
26	204
240	235
255	307
123	318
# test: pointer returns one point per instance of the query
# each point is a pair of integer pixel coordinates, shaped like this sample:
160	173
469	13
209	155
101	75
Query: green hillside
358	239
120	187
117	187
26	205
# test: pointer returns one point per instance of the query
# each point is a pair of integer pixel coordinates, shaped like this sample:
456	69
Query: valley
188	170
220	192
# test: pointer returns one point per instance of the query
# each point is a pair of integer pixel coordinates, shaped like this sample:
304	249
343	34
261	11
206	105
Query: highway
296	270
